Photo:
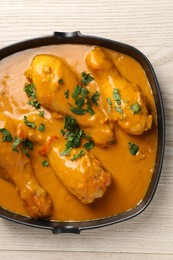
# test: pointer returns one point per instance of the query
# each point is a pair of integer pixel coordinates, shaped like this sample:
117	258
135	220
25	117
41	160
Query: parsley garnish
41	113
16	143
136	108
74	135
60	81
76	92
110	104
133	148
26	147
41	128
88	146
77	110
6	135
80	102
45	163
89	108
67	93
95	97
76	156
86	78
117	96
119	110
28	123
34	103
84	92
30	90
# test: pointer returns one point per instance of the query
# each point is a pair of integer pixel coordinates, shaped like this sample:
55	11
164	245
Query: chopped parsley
80	102
41	128
84	92
67	93
28	123
76	92
119	110
34	103
16	143
76	156
7	137
45	163
117	96
136	108
86	78
110	104
77	110
27	146
88	146
60	81
41	113
89	107
74	134
30	90
95	97
133	148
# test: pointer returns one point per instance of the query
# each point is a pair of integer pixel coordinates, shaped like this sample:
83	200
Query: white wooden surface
148	25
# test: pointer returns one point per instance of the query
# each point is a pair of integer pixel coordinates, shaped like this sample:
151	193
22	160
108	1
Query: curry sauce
130	173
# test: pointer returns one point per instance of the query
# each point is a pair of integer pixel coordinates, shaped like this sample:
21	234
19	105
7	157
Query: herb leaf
45	163
76	156
28	123
76	92
80	102
16	142
60	81
89	108
95	97
41	113
117	96
133	148
41	128
67	93
86	78
110	104
77	110
84	92
7	137
88	146
119	110
136	108
66	151
26	147
34	103
30	90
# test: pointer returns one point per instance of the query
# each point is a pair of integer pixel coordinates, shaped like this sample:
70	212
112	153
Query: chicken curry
78	133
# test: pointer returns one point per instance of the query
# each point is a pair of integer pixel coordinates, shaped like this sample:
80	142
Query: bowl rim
77	38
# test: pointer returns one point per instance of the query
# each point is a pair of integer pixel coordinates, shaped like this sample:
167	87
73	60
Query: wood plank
27	255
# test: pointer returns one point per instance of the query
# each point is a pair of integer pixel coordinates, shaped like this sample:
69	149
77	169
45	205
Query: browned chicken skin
17	168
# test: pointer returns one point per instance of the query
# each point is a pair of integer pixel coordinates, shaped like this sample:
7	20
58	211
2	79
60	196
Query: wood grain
147	25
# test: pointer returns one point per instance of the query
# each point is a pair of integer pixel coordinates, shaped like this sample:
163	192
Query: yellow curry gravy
131	175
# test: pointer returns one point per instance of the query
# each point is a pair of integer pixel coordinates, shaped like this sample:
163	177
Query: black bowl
78	38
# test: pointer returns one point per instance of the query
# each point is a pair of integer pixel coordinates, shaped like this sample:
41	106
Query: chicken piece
52	78
17	168
124	102
84	177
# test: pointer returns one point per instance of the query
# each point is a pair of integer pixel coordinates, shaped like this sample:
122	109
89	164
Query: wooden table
148	25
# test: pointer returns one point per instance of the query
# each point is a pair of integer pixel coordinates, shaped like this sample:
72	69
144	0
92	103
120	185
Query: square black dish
78	38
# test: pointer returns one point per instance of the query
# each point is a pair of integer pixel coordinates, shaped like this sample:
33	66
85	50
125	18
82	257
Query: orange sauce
131	175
